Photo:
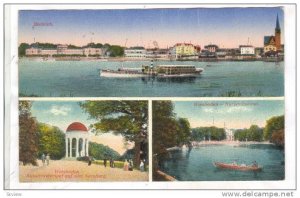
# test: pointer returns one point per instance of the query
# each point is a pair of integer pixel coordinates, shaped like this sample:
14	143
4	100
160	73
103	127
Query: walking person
125	167
130	167
142	166
48	159
43	159
105	162
90	161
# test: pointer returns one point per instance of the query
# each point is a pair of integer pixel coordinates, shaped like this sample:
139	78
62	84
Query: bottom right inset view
219	140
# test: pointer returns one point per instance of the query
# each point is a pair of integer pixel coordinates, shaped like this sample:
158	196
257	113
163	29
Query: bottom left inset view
83	141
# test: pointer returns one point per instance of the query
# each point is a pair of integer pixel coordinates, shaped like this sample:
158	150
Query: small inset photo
218	140
83	141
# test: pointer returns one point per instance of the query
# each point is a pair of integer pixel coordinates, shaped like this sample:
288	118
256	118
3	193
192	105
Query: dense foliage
51	141
274	130
254	133
206	133
22	49
101	152
168	131
273	124
28	136
127	118
94	45
115	51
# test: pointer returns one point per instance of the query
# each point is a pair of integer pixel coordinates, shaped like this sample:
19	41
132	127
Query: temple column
87	147
70	147
83	147
66	140
77	145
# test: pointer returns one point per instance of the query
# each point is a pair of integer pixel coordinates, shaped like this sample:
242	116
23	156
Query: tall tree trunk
137	153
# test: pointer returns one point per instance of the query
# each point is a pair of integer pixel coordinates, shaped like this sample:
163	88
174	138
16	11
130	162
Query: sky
226	27
62	114
235	114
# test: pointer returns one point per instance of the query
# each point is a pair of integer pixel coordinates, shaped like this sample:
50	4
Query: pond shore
232	143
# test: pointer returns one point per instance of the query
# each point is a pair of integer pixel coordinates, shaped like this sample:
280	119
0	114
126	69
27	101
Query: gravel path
76	171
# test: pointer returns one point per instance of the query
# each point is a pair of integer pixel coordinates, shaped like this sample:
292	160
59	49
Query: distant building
92	51
211	48
229	134
247	50
63	50
273	43
135	52
32	51
184	49
48	52
157	53
259	51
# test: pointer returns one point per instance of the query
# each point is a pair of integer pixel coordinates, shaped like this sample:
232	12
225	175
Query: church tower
277	35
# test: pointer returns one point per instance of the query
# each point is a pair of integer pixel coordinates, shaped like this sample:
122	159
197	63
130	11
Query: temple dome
77	126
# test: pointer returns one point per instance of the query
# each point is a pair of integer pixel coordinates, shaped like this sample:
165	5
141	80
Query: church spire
277	24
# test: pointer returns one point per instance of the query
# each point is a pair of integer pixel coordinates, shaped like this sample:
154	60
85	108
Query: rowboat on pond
234	166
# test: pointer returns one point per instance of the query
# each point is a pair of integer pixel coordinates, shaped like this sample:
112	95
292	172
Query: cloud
60	110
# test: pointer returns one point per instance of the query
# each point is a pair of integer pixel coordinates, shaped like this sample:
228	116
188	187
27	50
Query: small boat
237	167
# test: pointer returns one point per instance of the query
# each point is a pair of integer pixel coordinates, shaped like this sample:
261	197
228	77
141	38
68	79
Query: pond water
197	165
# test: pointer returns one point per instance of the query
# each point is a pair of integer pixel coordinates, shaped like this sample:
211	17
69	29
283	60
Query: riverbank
126	59
158	175
231	143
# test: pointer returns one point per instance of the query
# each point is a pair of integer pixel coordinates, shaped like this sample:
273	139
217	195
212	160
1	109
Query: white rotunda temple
77	140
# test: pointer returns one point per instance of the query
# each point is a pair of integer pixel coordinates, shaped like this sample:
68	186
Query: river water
197	165
81	79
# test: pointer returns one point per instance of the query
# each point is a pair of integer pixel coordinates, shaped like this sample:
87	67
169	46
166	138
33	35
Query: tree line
110	50
208	133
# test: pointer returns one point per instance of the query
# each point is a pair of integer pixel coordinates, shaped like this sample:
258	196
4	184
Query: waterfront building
92	51
221	53
273	43
63	50
157	53
32	51
184	49
247	50
259	51
229	134
71	52
135	52
211	48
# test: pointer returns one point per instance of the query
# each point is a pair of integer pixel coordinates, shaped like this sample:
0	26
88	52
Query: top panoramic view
179	52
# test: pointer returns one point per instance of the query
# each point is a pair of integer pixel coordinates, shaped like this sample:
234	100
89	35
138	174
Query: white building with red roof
77	140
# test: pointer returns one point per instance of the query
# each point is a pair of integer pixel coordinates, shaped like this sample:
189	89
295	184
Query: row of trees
37	138
110	50
168	131
254	133
206	133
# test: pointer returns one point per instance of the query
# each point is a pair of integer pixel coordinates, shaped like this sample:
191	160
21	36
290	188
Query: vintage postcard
191	52
218	140
83	141
154	96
